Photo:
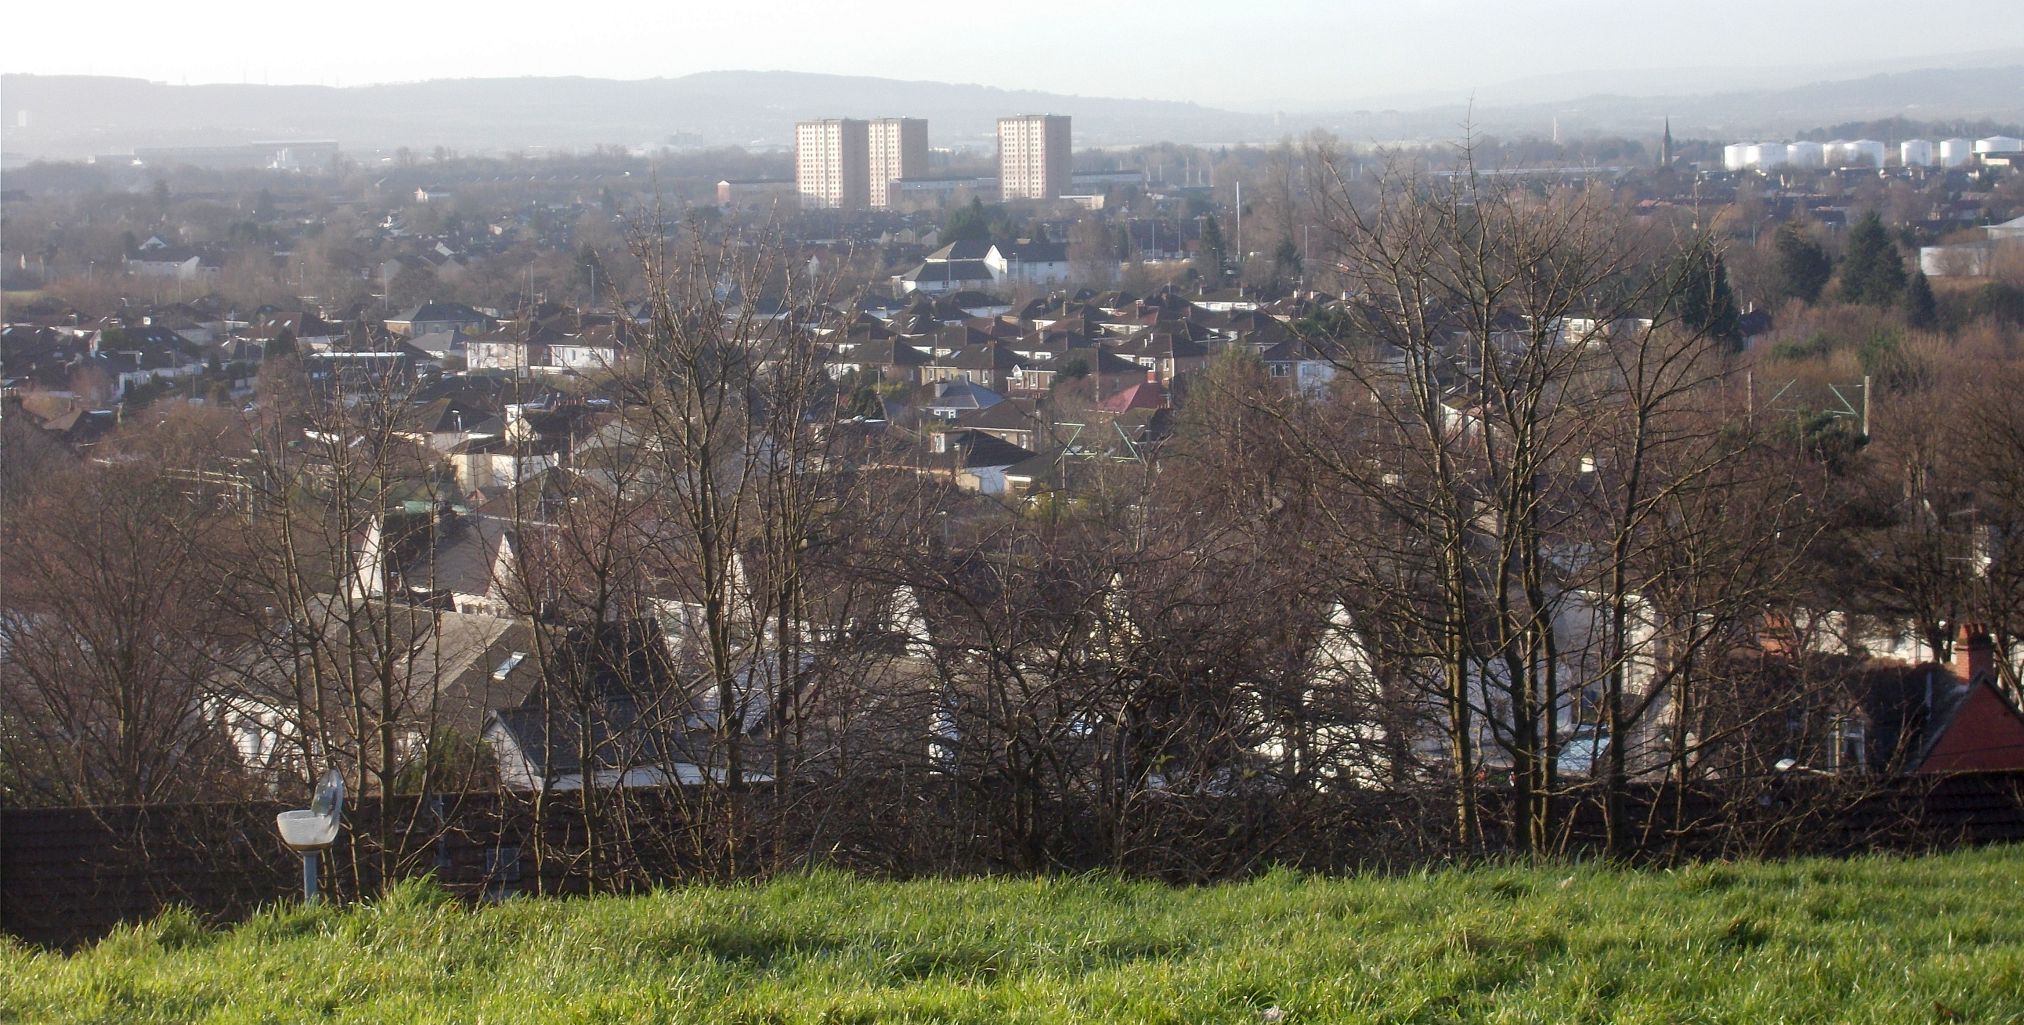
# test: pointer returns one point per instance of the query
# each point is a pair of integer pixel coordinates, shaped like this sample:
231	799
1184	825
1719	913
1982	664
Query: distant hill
1992	94
1568	84
59	117
1930	94
72	116
1996	93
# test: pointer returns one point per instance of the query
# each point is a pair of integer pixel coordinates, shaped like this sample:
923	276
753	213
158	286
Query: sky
1244	54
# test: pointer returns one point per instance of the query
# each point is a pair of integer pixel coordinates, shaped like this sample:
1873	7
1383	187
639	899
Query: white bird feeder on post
308	832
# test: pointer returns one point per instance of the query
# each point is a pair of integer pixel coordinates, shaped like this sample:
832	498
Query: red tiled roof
1143	395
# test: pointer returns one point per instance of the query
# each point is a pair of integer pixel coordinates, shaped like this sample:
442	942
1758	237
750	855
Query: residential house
976	304
134	354
565	342
885	360
1016	422
1301	366
1167	351
1148	394
485	464
155	258
614	711
955	398
471	568
39	359
1226	300
989	366
80	428
306	330
956	267
1931	718
978	460
451	420
436	317
1028	263
201	323
353	670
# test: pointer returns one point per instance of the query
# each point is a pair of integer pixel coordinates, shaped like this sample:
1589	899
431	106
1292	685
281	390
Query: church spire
1666	144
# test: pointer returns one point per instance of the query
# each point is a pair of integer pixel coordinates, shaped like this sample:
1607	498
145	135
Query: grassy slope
1880	940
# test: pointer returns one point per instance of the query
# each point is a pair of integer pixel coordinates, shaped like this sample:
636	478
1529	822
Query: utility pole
1240	229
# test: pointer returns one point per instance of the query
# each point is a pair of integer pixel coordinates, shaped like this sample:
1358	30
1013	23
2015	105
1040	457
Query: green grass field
1895	941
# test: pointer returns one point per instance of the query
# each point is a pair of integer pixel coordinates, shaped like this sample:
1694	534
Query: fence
68	875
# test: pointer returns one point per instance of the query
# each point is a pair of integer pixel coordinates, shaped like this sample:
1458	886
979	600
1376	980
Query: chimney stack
1974	653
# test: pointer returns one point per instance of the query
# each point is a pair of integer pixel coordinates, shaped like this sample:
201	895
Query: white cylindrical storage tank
1999	144
1955	152
1767	155
1807	154
1915	153
1736	156
1865	153
1834	153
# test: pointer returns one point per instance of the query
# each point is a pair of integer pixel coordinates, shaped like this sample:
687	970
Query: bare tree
345	663
1092	252
114	620
1523	420
1991	454
741	492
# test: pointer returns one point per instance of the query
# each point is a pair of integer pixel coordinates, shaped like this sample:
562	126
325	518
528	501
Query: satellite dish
315	828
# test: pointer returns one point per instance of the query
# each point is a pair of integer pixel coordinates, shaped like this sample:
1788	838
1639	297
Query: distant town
1018	504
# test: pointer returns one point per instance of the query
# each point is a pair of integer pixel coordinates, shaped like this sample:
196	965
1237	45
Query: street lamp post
1306	252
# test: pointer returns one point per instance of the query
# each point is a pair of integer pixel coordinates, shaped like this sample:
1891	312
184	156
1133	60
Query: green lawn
1878	940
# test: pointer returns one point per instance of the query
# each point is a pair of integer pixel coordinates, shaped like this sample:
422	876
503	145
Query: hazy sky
1253	53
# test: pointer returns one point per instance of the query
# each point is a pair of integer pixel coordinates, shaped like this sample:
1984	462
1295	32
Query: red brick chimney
1974	654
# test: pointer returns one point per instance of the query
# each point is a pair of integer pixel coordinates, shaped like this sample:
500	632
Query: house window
1849	752
502	870
502	863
